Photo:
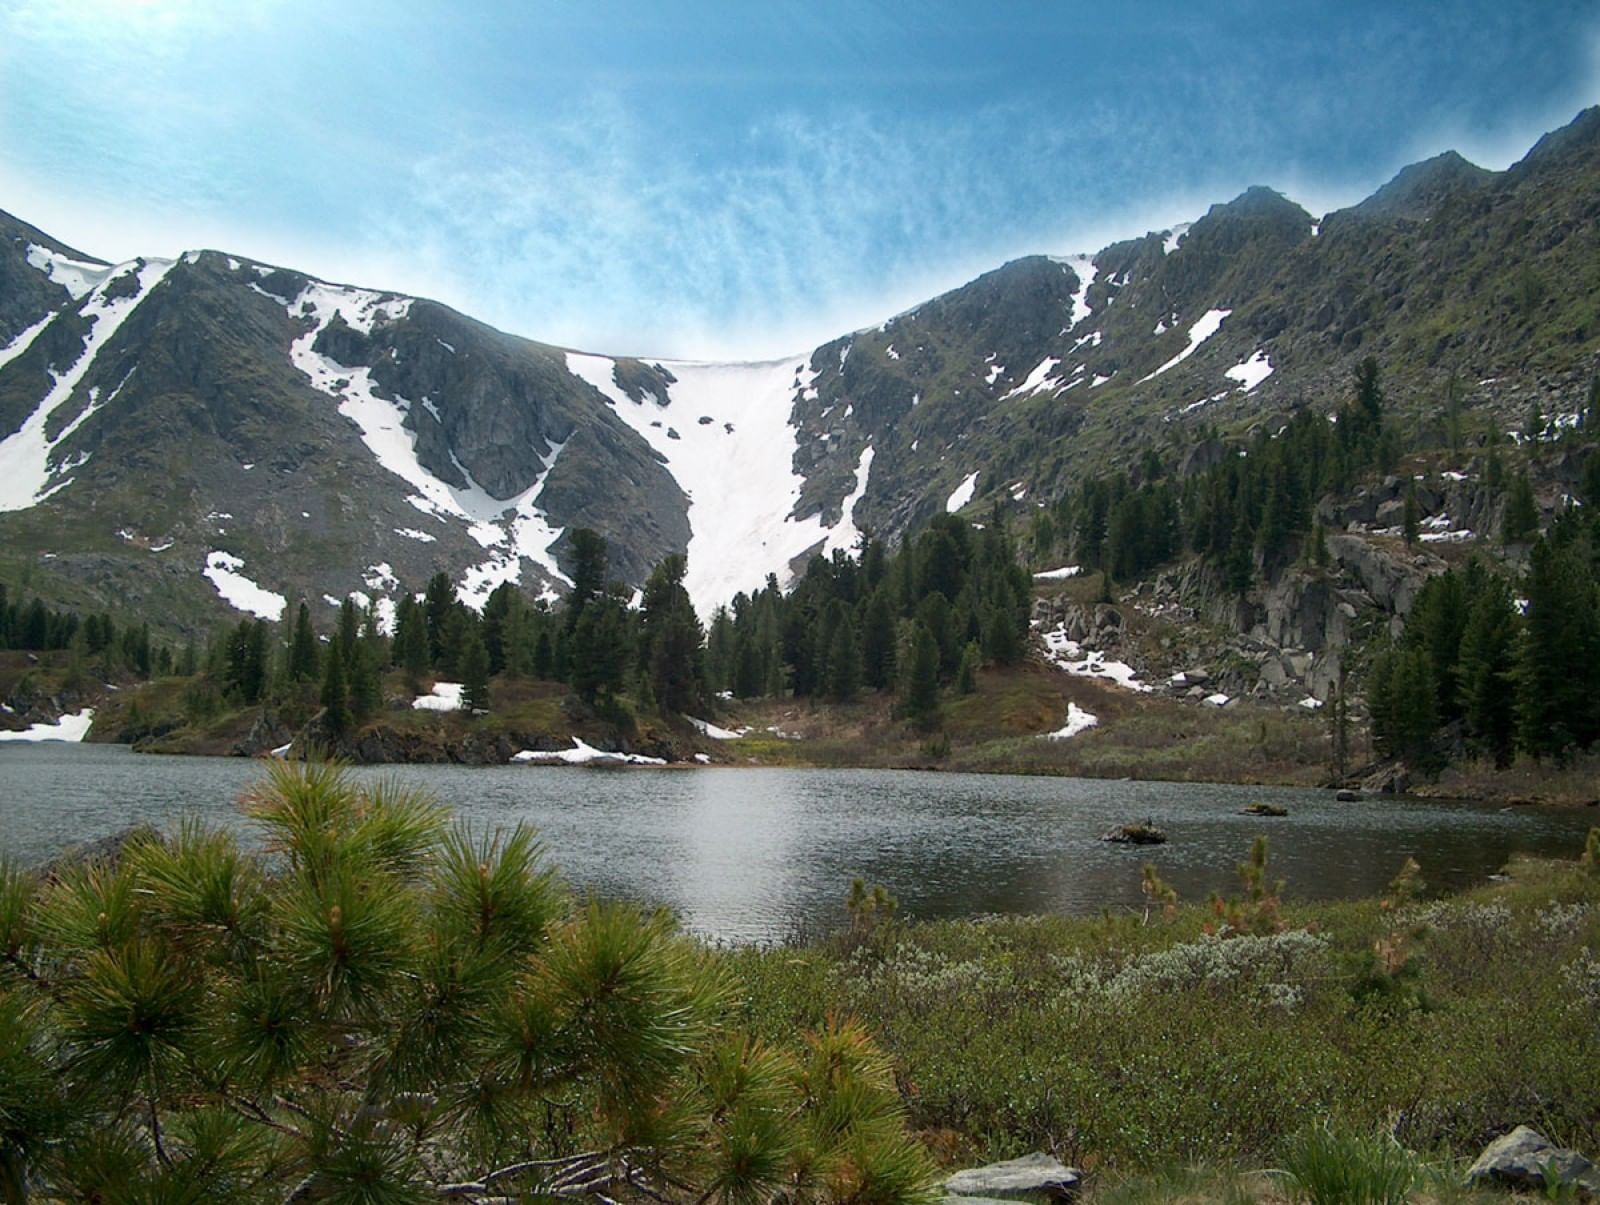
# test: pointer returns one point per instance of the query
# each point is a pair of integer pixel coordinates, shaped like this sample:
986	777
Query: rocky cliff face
213	435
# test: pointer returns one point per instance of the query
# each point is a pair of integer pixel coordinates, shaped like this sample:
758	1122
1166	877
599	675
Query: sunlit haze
727	180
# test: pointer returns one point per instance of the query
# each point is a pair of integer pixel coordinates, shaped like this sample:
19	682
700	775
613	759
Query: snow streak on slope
24	340
25	470
1202	330
1038	379
962	494
1083	268
511	528
737	469
845	533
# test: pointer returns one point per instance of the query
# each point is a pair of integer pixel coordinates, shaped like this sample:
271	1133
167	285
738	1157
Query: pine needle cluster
380	1007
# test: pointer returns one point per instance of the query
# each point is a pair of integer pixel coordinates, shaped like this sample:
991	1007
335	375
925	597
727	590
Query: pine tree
1413	514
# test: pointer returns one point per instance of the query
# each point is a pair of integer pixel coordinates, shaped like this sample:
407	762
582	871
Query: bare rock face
1030	1176
1525	1160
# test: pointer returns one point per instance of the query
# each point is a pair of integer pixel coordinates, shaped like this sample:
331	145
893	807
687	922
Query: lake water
764	854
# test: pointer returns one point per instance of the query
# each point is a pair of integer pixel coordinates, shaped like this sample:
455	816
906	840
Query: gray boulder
1521	1159
1030	1176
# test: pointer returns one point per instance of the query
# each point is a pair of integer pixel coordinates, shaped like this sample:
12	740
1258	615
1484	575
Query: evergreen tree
1486	673
589	557
844	662
1412	513
967	674
365	692
473	660
335	695
303	647
671	640
920	689
878	641
411	649
1557	674
1521	521
439	601
1002	643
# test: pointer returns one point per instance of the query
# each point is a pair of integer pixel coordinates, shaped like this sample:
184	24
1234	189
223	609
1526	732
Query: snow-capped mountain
210	435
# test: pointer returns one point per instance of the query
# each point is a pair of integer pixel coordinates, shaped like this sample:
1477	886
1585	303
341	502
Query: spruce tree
589	556
1486	674
844	662
303	647
1412	515
967	674
335	695
921	679
671	639
1521	521
878	641
474	668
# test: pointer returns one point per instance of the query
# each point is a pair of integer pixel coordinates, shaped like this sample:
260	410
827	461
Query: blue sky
733	179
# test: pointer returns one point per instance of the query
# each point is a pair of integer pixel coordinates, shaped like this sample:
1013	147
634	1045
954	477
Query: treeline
32	626
594	640
1498	675
1254	508
1251	507
922	617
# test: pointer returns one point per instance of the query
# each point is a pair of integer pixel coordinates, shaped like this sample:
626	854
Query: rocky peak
1418	188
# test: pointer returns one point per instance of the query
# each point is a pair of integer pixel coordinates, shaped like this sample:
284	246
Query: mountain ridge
399	435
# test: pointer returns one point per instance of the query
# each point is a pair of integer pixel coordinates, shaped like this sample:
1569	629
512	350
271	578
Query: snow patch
707	728
1174	238
1078	720
445	696
1250	373
72	727
78	277
1083	268
1068	655
238	591
1202	330
1056	575
411	533
582	754
962	494
1038	379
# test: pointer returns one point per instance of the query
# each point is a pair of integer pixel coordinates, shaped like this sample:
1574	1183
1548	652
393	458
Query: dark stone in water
1136	834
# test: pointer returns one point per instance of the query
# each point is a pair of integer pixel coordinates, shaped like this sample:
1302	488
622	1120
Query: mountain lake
767	855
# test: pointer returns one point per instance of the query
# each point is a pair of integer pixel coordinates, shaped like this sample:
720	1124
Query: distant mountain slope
169	430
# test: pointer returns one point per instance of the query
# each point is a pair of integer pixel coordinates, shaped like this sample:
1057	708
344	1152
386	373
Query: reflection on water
763	854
